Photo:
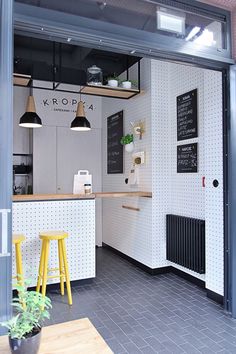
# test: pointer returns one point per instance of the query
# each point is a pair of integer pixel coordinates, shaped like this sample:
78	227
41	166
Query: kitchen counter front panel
77	217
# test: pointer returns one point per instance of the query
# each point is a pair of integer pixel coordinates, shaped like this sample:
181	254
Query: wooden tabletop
48	197
74	337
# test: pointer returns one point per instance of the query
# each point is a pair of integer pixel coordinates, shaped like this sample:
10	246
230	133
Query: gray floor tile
139	313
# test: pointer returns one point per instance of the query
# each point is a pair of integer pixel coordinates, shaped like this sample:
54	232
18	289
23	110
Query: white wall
144	238
183	194
74	150
174	193
21	140
126	230
58	152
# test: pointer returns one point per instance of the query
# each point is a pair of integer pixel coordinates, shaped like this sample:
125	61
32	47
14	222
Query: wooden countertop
35	197
72	337
41	197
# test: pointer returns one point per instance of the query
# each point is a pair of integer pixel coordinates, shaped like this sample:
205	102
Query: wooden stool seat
46	237
17	239
53	235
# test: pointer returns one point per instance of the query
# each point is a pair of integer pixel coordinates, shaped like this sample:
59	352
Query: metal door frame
29	19
25	23
6	137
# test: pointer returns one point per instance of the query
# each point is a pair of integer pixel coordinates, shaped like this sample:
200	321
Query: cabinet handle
130	208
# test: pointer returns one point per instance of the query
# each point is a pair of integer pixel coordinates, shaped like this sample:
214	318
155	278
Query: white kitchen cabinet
59	153
21	136
77	151
44	160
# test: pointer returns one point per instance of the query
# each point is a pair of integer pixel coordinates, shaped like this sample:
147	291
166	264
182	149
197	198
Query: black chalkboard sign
187	158
114	147
187	116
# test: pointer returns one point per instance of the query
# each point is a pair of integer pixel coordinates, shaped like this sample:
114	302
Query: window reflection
150	16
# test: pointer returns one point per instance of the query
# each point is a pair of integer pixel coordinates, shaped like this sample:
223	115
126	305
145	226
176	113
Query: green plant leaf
127	139
31	310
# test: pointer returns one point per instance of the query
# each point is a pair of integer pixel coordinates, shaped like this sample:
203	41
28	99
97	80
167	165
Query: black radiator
185	242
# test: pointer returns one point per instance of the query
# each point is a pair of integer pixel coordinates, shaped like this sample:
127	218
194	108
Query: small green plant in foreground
31	309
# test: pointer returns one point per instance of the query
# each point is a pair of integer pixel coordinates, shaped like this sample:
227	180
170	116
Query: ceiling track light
30	119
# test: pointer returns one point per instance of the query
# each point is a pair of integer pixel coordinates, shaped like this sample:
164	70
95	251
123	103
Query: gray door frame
38	22
231	245
6	133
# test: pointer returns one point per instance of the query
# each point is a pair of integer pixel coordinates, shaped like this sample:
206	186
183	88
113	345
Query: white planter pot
113	83
126	84
129	147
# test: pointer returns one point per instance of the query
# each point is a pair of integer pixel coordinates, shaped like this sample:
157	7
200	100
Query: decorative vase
129	147
28	345
126	84
113	83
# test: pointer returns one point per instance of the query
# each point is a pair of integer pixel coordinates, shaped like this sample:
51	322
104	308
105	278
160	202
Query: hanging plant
127	139
128	142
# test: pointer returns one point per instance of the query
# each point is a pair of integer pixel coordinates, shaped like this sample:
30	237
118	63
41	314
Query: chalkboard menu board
114	147
187	158
187	115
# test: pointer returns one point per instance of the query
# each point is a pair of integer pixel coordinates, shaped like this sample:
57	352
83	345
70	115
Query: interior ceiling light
30	119
206	38
193	33
80	123
170	21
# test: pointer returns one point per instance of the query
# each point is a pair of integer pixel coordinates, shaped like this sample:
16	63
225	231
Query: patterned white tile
75	217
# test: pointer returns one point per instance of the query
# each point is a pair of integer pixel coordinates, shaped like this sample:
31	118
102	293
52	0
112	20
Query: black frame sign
187	158
187	127
114	147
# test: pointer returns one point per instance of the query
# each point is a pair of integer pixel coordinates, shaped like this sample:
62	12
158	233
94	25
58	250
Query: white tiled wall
214	170
76	217
142	235
161	162
127	230
187	196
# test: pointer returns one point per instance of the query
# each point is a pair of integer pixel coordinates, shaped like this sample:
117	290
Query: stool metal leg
61	269
41	263
45	267
19	268
67	276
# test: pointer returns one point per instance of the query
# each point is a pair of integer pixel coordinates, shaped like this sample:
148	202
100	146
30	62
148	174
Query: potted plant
113	81
128	84
24	328
128	142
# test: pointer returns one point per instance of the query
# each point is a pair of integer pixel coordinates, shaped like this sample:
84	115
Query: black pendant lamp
80	123
30	119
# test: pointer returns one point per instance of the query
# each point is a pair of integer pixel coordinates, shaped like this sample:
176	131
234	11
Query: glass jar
87	188
94	75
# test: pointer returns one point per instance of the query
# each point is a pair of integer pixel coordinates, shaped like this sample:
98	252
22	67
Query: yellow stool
17	239
63	269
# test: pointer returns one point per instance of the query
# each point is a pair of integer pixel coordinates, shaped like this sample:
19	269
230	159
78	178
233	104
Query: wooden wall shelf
107	91
21	79
123	194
